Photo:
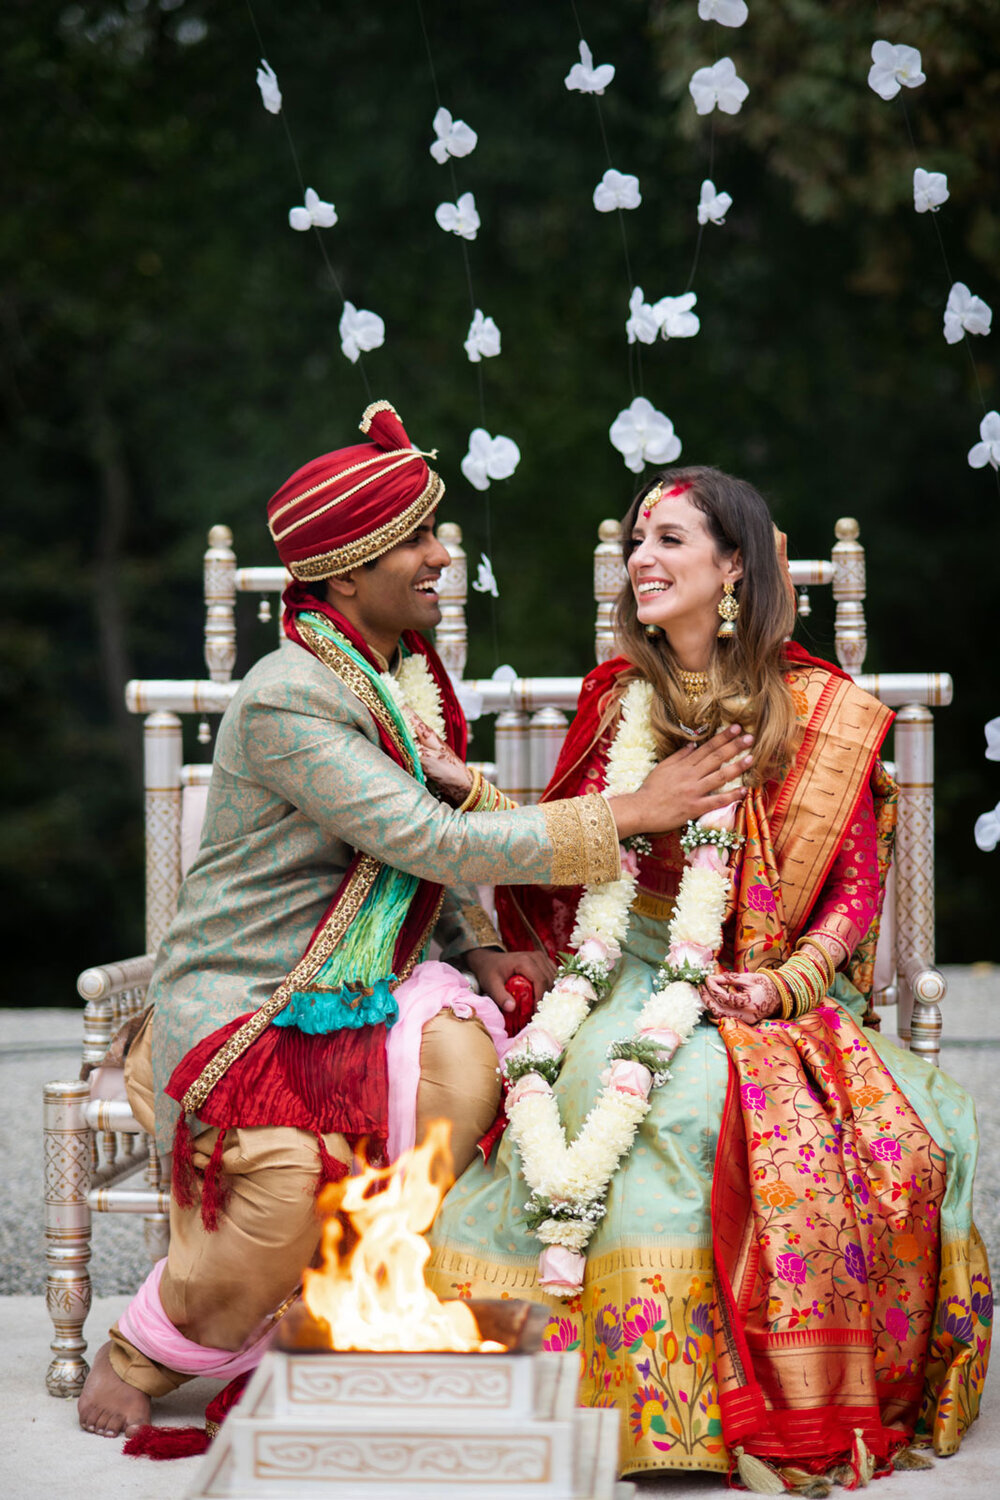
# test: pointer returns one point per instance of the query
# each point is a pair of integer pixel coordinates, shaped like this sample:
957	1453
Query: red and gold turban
348	507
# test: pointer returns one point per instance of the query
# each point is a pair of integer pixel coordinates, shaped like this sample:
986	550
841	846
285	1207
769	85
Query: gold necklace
694	683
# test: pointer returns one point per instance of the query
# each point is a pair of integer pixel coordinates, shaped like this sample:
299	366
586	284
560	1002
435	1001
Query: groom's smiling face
399	591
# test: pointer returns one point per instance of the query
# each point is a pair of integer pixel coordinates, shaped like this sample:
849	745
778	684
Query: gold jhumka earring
729	610
653	630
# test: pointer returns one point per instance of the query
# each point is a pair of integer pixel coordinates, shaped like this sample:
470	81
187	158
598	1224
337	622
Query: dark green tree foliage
170	351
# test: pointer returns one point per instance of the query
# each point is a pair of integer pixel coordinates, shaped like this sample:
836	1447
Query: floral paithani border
643	1329
959	1349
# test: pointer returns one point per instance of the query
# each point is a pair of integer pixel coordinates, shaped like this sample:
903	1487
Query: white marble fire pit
373	1426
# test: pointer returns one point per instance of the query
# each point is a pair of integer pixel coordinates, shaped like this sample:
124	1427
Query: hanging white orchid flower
454	137
585	78
713	206
486	582
965	314
269	91
894	68
483	341
616	190
316	214
987	830
489	458
718	87
642	323
675	317
993	738
644	435
987	452
459	218
930	190
726	12
360	331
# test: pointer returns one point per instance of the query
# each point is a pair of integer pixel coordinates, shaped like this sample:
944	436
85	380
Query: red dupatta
250	1073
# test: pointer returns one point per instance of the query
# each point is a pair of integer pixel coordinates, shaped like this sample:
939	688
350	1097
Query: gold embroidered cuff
584	839
485	797
480	927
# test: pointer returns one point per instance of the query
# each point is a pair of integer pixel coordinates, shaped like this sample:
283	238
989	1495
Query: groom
325	867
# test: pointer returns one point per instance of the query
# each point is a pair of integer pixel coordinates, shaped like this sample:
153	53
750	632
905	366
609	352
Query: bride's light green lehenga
643	1324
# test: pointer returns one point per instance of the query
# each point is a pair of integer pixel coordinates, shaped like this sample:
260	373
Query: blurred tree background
171	354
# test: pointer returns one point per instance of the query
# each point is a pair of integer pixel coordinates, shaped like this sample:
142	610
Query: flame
370	1290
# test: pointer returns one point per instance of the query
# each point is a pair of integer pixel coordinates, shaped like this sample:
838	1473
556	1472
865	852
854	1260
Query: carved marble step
345	1390
413	1427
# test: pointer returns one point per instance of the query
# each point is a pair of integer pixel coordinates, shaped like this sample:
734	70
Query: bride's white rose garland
569	1181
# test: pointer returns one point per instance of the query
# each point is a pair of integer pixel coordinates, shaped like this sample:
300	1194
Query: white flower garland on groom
569	1181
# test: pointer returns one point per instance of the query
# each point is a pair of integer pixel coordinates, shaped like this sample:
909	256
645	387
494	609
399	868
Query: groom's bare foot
107	1405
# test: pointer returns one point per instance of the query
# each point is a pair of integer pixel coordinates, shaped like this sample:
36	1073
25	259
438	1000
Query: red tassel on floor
221	1405
167	1442
187	1442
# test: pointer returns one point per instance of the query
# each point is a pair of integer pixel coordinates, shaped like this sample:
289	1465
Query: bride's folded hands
686	785
741	997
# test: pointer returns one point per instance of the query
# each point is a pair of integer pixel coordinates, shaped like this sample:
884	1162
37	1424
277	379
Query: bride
749	1213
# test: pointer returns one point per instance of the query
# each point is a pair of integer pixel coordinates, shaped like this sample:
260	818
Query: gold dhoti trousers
219	1288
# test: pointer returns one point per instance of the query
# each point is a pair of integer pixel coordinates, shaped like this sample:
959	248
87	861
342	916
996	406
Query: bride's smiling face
676	574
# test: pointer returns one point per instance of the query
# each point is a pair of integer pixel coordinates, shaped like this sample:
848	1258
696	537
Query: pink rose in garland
560	1270
691	953
707	857
631	1078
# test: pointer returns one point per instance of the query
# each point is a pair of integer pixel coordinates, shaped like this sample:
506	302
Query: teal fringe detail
319	1012
361	962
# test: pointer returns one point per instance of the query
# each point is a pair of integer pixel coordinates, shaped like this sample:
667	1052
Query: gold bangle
823	973
808	980
801	980
474	791
784	994
818	954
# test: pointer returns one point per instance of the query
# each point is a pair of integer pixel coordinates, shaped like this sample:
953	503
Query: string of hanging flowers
360	330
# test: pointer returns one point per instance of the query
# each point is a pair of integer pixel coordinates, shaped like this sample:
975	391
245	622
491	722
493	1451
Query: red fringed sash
281	1076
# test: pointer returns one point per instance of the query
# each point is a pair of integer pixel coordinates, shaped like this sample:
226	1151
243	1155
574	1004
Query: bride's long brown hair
746	673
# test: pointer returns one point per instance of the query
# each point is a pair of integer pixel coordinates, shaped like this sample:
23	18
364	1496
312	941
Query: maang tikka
729	610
